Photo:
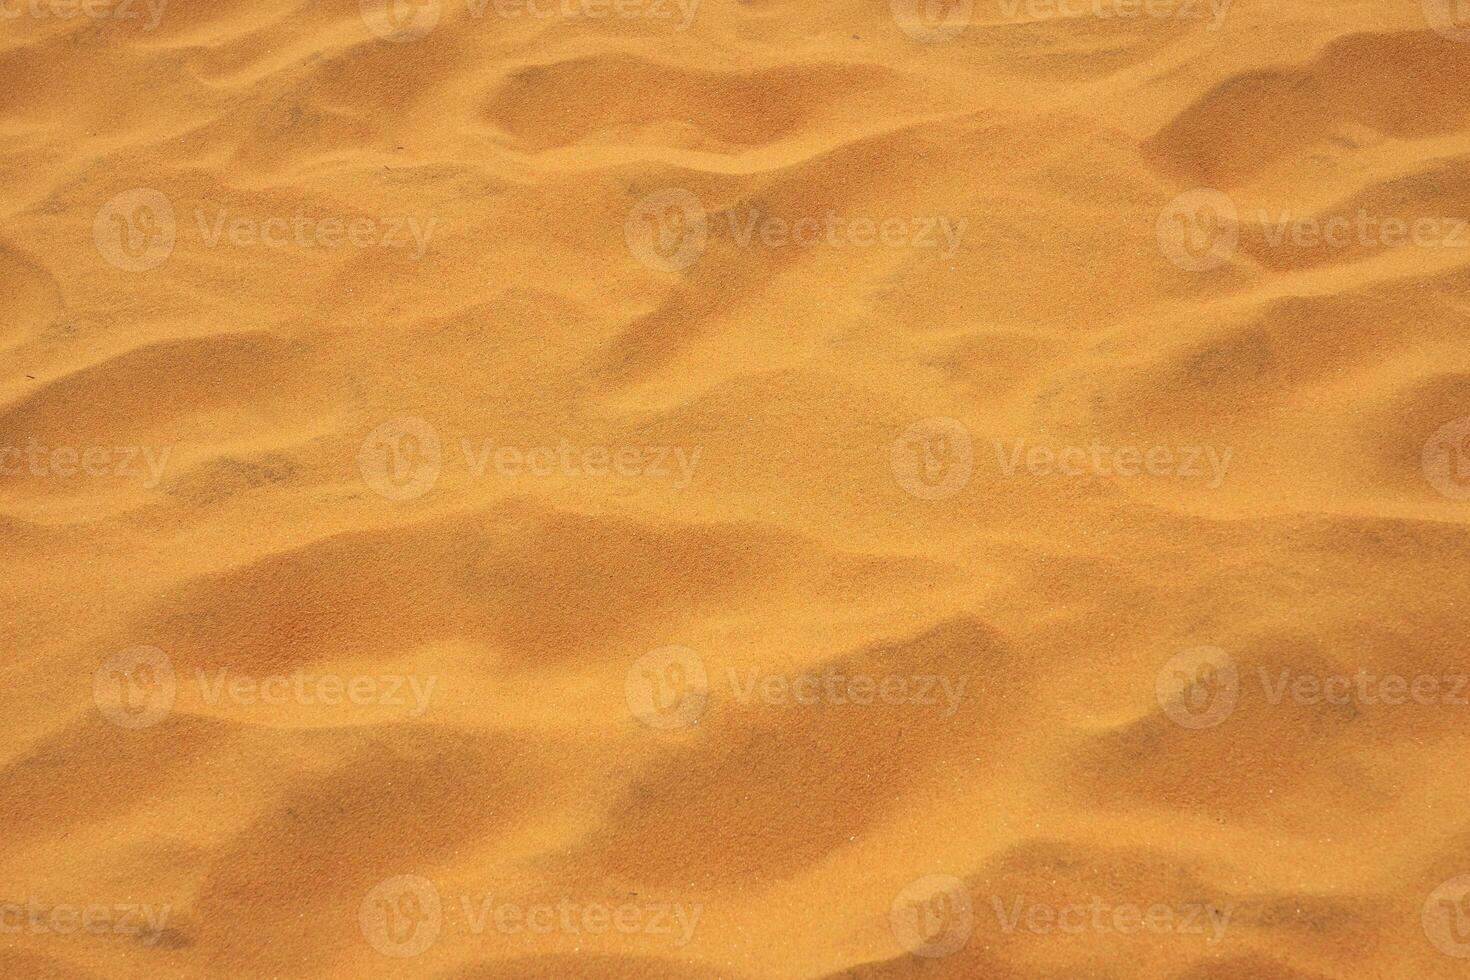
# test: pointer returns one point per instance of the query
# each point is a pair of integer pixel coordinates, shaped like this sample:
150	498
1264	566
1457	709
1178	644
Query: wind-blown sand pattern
675	489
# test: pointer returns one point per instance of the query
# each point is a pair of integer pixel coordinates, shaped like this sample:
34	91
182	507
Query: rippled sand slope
673	489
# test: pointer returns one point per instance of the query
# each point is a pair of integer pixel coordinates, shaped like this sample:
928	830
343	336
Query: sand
637	488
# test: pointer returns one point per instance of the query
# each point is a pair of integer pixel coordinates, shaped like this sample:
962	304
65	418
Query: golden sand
676	489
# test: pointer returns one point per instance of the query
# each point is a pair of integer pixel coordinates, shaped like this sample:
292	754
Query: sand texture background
759	489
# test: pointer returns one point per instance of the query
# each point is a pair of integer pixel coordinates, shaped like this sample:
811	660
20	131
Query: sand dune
655	488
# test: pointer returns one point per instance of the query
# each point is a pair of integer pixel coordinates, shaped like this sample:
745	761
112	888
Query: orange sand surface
709	489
